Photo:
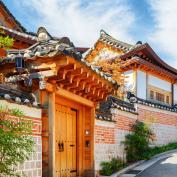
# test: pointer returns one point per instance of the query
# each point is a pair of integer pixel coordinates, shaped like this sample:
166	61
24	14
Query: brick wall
109	135
104	135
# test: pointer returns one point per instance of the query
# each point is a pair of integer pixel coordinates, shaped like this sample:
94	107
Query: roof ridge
24	34
105	35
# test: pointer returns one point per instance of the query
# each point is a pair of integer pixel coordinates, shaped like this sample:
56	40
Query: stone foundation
33	166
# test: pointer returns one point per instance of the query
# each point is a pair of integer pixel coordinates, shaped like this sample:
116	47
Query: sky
151	21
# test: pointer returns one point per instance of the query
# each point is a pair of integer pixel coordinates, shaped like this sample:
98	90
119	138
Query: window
160	97
167	99
151	94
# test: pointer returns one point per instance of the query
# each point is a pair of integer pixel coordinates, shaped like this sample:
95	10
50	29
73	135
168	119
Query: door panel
65	141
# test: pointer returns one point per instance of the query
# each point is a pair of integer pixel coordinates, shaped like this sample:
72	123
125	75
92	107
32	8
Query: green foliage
16	112
5	41
159	149
137	143
16	142
108	168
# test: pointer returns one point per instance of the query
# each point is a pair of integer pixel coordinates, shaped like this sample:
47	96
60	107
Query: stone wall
109	135
33	166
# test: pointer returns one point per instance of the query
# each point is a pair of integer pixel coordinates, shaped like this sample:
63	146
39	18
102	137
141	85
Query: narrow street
163	168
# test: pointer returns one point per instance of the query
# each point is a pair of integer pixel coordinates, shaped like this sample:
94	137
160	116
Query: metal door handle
60	146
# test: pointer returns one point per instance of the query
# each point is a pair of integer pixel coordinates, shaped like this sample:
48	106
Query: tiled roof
10	14
47	46
11	93
22	34
133	99
106	38
104	111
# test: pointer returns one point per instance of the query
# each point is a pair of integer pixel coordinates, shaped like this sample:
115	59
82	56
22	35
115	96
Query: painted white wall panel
175	94
154	81
141	84
130	80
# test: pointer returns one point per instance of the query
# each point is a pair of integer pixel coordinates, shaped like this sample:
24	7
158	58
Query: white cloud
81	20
165	33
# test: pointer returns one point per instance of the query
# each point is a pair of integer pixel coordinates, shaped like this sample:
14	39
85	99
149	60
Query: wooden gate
66	150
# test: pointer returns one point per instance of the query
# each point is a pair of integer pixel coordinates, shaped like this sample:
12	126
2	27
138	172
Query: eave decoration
54	63
134	99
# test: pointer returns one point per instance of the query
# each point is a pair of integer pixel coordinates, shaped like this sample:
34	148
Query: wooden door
65	132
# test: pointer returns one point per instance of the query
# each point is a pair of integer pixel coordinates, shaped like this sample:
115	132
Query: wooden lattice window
167	99
151	94
160	97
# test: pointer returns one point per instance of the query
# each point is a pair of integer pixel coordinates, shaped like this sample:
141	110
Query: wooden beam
50	87
56	62
74	97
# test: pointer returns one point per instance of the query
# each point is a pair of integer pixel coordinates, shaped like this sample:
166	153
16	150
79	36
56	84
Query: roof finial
43	35
103	32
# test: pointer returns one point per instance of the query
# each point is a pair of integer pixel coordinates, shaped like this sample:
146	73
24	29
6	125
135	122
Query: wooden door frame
65	102
81	104
63	108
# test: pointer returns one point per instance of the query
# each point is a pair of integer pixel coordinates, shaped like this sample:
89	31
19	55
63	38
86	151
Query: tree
16	142
137	143
5	41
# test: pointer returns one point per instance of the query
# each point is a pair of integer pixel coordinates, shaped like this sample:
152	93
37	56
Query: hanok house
151	85
68	90
51	75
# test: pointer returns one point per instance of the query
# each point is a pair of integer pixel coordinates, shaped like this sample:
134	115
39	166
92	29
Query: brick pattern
104	135
108	140
157	117
33	166
123	122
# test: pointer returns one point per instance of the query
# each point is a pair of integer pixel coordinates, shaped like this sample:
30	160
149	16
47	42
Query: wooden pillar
92	137
51	117
147	86
172	94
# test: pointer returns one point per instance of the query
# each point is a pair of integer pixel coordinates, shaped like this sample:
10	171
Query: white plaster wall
130	82
175	94
154	81
141	84
27	110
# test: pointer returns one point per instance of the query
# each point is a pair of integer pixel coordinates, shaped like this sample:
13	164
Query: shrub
108	168
16	144
137	143
160	149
